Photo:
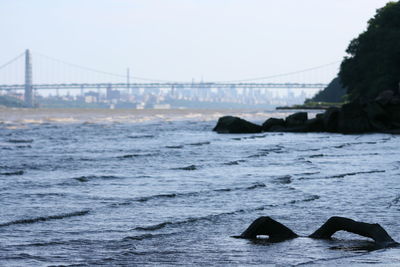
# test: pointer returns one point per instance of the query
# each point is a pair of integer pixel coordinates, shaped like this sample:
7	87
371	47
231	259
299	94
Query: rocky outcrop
380	115
353	119
230	124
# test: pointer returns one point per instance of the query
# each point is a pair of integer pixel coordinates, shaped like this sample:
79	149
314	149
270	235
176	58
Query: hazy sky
182	39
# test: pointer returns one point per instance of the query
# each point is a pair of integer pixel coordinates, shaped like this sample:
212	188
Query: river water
115	187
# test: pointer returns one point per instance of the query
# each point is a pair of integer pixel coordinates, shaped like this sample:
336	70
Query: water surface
103	187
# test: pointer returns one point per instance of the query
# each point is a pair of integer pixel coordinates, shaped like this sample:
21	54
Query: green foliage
334	92
373	64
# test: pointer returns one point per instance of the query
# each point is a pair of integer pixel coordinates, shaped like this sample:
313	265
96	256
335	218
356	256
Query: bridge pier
28	96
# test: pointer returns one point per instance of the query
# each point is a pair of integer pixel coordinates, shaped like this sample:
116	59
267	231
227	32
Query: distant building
91	97
113	94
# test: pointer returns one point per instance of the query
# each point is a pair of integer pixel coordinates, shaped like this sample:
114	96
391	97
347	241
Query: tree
373	64
334	92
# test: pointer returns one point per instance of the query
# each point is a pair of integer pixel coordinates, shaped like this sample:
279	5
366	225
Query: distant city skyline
185	39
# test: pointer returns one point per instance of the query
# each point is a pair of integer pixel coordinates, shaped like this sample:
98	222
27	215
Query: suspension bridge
29	88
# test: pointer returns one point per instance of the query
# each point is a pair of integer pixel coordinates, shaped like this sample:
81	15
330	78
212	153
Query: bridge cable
100	71
281	74
12	60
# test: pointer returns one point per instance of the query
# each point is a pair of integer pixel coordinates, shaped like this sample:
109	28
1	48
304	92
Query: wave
342	175
129	156
251	187
25	256
316	156
140	136
255	136
259	155
257	185
307	173
144	199
196	193
286	179
24	146
157	226
175	147
213	217
12	173
356	143
254	186
200	143
311	198
187	168
94	177
354	173
46	218
232	163
265	152
145	236
20	141
186	221
235	162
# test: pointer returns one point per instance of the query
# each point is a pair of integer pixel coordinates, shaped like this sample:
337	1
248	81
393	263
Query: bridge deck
163	85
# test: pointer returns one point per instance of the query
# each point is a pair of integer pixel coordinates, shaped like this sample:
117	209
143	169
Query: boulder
230	124
330	119
273	124
315	125
296	119
377	116
353	119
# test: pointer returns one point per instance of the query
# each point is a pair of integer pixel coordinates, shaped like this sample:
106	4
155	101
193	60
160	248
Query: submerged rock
230	124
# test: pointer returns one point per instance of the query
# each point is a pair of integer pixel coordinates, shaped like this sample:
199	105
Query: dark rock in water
273	124
330	119
315	125
296	119
230	124
381	115
353	119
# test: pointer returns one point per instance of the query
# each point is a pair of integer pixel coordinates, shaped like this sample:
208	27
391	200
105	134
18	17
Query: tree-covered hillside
333	93
373	64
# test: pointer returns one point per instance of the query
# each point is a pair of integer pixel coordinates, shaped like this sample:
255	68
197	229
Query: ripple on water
46	218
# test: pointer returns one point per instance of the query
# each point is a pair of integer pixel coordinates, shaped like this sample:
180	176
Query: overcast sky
185	39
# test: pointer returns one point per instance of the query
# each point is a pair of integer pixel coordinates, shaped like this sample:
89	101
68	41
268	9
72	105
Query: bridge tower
28	96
